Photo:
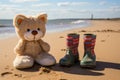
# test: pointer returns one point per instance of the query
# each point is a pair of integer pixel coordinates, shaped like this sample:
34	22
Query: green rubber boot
72	55
89	58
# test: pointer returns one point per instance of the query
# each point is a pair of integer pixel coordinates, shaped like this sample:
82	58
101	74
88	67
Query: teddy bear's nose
34	32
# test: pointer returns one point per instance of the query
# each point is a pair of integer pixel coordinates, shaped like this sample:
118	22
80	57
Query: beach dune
107	50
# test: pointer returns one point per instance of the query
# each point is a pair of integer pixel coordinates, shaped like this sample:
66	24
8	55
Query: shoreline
106	49
10	30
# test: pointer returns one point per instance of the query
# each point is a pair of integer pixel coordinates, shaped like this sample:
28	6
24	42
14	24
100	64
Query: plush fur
31	47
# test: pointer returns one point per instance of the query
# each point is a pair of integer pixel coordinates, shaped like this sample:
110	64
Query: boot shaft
89	43
72	43
72	40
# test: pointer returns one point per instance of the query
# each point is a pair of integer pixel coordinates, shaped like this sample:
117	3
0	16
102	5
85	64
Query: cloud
68	13
115	7
20	1
8	9
63	3
109	10
41	4
8	6
102	3
73	3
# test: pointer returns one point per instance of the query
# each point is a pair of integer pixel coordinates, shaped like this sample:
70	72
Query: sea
52	26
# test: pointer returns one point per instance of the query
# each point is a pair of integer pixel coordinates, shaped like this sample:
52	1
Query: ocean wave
78	22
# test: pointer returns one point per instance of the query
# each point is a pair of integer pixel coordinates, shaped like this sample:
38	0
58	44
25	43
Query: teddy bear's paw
46	47
23	62
47	60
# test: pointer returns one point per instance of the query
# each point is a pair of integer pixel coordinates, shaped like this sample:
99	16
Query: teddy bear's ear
42	17
18	20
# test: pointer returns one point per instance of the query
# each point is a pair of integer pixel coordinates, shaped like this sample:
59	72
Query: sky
58	9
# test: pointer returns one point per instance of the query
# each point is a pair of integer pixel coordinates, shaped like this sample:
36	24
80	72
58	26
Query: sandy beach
107	50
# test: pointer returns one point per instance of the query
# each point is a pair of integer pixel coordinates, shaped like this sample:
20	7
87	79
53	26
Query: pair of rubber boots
72	56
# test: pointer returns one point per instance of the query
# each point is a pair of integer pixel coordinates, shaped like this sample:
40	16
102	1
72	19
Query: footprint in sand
102	40
45	70
7	67
62	79
83	31
63	49
6	73
61	37
18	75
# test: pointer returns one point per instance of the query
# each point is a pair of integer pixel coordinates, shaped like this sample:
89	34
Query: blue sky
61	8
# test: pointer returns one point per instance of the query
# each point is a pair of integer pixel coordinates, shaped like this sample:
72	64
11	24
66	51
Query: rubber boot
89	58
72	55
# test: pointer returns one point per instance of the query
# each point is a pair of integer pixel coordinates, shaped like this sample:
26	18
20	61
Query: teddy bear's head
30	28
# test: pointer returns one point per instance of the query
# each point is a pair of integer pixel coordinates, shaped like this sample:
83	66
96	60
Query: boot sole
69	65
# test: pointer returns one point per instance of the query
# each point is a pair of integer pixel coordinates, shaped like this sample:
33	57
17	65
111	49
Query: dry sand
107	50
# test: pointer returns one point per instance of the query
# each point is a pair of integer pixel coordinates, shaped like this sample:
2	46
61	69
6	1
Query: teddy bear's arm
45	46
19	49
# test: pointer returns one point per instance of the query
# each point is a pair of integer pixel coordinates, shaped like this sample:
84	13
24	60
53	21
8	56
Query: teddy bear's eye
28	30
38	29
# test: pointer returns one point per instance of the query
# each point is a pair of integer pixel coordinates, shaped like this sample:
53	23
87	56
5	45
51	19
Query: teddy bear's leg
23	62
45	59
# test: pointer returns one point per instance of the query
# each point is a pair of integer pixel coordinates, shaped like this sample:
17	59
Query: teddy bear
31	48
